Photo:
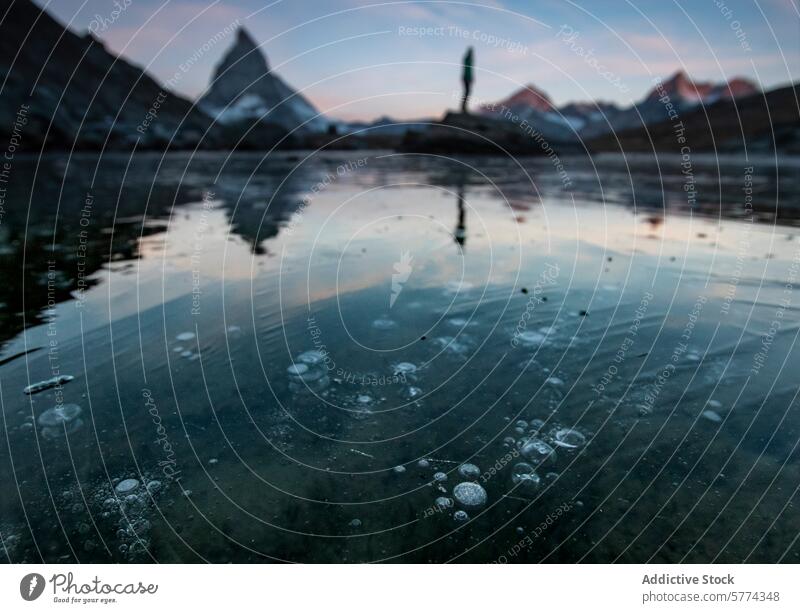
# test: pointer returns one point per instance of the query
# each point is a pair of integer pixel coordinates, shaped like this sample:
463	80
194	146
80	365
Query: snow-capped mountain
533	106
527	97
679	87
243	88
580	120
684	94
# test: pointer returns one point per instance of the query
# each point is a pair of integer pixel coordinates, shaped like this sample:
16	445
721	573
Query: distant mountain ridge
580	120
681	87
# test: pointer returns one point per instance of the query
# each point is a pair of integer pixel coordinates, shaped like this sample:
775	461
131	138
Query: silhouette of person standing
467	78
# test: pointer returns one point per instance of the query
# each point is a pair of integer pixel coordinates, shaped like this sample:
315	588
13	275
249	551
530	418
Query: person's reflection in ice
460	233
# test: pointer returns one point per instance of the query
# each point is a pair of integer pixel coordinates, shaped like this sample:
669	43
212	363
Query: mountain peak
528	96
680	75
244	38
245	53
244	88
681	87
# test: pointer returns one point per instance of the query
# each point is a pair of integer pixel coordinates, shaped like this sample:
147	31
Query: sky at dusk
361	59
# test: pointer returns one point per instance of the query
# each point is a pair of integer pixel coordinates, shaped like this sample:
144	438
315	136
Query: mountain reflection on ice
364	357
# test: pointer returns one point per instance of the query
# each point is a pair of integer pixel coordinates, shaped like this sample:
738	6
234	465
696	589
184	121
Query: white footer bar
401	588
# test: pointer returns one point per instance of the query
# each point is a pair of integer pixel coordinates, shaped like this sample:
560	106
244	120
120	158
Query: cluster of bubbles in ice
537	452
11	541
132	499
188	336
308	373
459	490
405	368
359	393
185	337
458	346
466	495
111	517
539	444
525	478
410	375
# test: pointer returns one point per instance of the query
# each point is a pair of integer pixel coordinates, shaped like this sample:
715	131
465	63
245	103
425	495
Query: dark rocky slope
70	90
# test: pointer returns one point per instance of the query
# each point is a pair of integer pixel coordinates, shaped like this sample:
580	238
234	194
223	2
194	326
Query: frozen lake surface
403	358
